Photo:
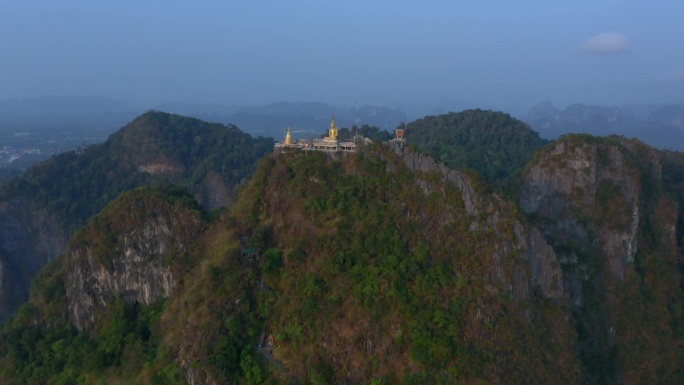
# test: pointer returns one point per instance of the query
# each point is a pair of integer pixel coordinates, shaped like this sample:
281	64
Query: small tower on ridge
400	136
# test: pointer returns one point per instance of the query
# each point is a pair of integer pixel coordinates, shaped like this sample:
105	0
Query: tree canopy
493	144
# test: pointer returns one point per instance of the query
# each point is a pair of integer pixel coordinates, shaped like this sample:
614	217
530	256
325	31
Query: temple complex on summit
330	143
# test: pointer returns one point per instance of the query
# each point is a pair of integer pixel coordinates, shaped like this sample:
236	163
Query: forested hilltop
380	267
384	266
491	143
41	208
374	267
154	148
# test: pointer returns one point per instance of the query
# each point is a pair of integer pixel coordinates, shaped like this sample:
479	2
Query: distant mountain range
659	125
303	117
44	114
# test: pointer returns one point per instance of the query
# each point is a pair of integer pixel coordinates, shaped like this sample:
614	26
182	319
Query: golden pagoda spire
332	133
288	136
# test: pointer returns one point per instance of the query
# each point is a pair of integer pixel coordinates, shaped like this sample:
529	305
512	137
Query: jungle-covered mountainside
494	144
374	267
42	207
156	147
381	267
6	173
150	233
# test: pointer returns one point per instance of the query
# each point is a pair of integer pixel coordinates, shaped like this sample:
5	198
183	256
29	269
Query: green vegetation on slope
7	173
629	316
363	272
492	143
39	346
76	185
55	197
375	279
126	350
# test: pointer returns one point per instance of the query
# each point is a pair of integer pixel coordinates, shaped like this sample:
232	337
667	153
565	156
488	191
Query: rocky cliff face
215	192
40	208
405	234
598	202
575	184
539	268
135	255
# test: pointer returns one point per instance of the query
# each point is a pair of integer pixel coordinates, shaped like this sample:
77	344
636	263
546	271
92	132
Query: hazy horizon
491	54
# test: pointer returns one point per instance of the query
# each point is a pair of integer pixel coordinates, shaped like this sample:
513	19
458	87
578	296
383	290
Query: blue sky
498	53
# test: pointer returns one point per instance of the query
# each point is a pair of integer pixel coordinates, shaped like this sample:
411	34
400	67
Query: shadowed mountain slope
606	206
40	208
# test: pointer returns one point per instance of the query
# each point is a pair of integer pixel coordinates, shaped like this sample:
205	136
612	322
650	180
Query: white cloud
609	43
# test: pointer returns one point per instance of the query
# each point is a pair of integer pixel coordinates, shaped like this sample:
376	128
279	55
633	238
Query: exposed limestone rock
161	168
568	186
541	269
544	266
139	260
41	208
598	202
193	376
214	192
138	274
426	164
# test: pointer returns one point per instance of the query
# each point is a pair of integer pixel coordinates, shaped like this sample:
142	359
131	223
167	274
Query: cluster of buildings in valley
330	143
10	155
22	149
